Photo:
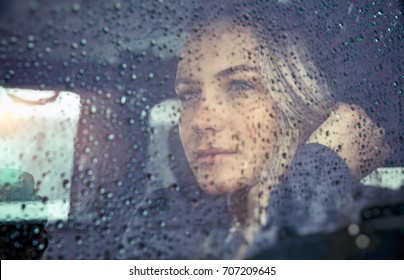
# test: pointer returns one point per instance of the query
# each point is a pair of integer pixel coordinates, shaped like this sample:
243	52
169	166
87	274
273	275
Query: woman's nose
208	117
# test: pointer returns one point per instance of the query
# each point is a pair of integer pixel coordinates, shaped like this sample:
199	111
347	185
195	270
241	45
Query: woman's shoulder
316	174
323	176
319	195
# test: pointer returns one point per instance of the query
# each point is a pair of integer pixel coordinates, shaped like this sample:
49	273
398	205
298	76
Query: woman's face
228	124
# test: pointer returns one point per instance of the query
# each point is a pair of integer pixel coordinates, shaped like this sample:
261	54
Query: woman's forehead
220	44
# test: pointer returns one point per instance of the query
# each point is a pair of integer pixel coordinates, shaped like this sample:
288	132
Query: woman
248	105
257	128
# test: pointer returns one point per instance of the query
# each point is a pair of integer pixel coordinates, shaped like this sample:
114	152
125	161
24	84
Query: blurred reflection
37	129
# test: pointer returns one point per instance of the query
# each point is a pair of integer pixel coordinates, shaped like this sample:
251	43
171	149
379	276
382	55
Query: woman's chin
219	188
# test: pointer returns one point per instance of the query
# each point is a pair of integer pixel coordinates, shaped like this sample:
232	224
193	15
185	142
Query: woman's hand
354	137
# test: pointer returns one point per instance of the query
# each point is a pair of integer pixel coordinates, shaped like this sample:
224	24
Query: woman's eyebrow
235	69
185	81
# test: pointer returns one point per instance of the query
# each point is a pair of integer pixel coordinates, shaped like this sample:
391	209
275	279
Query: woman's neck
248	207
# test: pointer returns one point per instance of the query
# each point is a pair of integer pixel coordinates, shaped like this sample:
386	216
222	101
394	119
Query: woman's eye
188	95
239	86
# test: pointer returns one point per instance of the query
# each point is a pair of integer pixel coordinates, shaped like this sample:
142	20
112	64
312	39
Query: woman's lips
210	154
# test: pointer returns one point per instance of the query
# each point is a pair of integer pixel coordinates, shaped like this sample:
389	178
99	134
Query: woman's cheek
185	134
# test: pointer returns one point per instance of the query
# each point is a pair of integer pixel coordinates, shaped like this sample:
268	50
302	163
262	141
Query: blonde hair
303	99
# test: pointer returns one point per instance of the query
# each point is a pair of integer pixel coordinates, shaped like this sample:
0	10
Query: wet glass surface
214	129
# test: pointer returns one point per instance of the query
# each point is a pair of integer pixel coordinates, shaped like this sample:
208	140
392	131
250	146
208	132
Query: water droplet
353	229
76	8
79	240
34	6
362	241
117	6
